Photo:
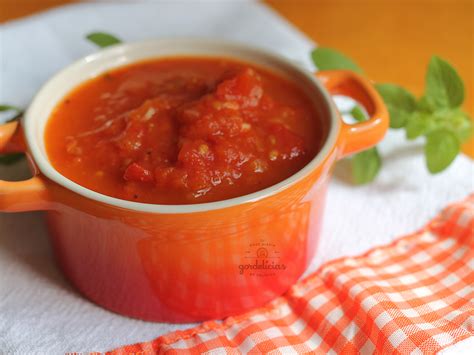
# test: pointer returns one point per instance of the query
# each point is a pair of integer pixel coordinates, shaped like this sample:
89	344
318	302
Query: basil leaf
423	105
9	108
444	87
9	159
103	39
400	103
358	114
441	148
365	166
330	59
455	120
463	128
418	124
16	116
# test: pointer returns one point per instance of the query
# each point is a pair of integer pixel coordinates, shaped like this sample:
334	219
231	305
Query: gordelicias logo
263	260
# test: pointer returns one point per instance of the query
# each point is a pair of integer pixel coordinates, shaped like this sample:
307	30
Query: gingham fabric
414	296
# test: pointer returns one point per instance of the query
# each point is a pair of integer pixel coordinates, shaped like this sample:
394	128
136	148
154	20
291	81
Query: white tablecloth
39	311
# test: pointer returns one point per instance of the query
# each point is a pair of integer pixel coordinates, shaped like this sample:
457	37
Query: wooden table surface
391	39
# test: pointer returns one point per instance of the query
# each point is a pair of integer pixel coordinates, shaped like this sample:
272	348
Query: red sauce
183	130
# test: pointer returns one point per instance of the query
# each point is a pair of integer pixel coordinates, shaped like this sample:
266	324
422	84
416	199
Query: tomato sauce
183	130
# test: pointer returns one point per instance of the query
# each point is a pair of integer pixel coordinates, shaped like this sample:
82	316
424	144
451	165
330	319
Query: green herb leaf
441	148
454	120
365	166
103	39
9	159
400	103
423	105
18	111
418	124
358	113
463	128
330	59
444	87
4	108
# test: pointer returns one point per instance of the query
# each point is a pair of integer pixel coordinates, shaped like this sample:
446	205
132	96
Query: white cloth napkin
39	311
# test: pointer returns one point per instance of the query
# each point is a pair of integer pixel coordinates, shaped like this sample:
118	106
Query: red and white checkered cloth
414	296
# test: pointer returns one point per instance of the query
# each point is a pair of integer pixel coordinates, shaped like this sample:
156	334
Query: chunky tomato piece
183	130
245	89
136	172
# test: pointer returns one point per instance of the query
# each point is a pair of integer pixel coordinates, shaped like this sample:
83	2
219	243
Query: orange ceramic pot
185	263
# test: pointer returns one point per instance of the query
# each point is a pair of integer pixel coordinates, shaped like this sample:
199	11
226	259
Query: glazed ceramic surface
183	263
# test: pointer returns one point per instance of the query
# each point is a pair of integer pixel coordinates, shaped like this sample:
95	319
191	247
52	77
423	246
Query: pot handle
18	196
362	135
